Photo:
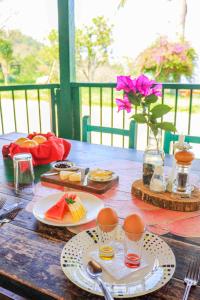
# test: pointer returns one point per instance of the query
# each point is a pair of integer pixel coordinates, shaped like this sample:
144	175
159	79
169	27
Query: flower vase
153	156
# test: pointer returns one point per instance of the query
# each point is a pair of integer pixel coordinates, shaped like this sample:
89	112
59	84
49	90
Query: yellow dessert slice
76	207
75	177
100	174
64	175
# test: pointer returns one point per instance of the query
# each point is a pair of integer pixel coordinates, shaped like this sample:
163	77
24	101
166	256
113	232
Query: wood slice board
166	200
92	186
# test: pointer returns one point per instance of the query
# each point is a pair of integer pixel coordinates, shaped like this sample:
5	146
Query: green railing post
76	100
54	101
132	134
86	135
67	67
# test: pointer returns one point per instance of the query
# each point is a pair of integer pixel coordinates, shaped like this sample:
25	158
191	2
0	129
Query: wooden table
30	251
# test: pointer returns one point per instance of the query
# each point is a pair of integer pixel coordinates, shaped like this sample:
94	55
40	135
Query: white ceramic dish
92	204
70	168
158	255
98	179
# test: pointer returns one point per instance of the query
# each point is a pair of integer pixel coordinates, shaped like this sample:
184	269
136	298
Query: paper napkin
116	267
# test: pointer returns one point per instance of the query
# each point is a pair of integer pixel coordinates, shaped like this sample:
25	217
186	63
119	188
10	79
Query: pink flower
143	85
125	83
178	48
157	90
124	104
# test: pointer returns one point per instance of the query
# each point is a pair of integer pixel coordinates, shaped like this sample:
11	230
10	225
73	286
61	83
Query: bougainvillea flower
157	90
125	83
144	85
178	49
124	104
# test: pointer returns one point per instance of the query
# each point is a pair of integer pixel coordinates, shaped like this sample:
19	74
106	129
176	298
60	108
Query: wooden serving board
166	199
92	186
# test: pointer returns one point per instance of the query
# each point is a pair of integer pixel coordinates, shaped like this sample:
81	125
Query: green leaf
154	128
134	99
139	118
160	110
151	99
69	201
167	126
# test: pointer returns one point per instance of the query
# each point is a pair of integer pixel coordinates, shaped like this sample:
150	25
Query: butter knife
85	179
10	209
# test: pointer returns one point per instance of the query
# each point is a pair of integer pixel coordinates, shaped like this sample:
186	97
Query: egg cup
107	236
133	244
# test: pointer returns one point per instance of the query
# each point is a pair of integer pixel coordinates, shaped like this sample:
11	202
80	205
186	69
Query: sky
136	25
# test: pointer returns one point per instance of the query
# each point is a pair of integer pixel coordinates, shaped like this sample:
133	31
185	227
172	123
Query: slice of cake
75	206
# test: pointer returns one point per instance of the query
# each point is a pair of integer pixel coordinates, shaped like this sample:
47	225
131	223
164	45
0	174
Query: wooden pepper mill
182	184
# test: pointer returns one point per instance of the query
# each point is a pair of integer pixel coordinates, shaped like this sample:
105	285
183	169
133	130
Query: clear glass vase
153	156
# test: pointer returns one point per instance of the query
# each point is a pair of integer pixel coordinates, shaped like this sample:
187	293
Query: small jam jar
182	184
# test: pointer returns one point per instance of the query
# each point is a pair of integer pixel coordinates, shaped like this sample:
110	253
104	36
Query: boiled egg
134	227
107	219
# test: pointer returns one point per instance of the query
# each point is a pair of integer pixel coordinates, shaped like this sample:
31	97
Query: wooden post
66	29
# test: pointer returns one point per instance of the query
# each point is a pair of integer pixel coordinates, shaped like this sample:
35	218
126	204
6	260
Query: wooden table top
30	251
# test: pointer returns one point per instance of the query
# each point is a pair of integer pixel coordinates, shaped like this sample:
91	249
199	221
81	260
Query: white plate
158	255
71	168
97	179
92	204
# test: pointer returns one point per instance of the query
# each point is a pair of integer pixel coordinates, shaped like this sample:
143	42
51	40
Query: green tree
29	69
6	56
93	46
49	55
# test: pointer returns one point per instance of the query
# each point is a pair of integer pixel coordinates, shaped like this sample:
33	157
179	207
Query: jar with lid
153	156
182	183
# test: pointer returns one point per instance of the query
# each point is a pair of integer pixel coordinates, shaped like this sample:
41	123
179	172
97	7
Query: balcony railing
28	108
98	101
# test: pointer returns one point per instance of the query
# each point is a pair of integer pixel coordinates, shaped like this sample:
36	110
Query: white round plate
92	204
158	256
96	179
71	164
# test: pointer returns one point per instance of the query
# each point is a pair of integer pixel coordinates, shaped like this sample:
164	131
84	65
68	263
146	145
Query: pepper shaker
182	184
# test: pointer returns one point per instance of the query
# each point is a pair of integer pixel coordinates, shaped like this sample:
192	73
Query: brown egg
107	219
134	227
29	144
19	141
40	139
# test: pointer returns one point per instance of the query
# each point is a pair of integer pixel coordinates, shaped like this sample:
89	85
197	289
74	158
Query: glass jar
182	184
153	156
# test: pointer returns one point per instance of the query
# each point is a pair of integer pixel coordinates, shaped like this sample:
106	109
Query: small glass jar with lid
182	183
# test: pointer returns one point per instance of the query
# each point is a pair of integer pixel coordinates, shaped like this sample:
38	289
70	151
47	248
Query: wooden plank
8	295
38	258
92	186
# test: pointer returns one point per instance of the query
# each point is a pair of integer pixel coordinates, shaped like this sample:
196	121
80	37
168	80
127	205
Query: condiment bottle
157	183
182	184
177	146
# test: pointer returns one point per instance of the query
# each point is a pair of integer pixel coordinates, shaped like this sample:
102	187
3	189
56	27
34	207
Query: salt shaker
157	183
177	146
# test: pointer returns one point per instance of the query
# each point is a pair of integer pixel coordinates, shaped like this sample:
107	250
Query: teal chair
171	137
87	128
